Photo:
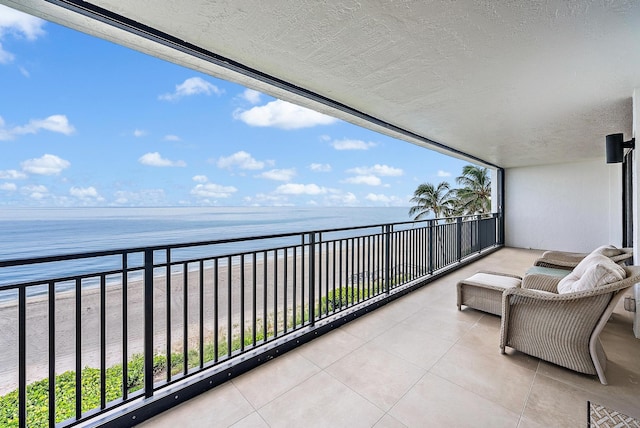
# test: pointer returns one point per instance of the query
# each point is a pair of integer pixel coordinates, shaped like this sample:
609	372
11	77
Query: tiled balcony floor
419	362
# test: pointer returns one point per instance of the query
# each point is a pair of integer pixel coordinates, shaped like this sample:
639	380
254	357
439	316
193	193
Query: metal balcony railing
128	333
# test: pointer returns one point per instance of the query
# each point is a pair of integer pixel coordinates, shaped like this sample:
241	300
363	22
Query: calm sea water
26	233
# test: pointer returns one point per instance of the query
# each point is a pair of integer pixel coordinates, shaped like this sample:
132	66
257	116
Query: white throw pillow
593	271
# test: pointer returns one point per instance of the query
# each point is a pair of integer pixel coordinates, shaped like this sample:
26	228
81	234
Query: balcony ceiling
511	83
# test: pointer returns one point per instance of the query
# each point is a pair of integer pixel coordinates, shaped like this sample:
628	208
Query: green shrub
38	392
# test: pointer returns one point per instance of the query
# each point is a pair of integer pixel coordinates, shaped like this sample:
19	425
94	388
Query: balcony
418	361
129	333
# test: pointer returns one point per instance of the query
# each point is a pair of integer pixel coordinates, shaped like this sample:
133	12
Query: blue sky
84	122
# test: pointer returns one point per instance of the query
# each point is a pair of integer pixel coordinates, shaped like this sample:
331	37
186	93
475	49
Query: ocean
35	232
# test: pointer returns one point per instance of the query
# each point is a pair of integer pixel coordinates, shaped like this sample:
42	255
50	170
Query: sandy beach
269	286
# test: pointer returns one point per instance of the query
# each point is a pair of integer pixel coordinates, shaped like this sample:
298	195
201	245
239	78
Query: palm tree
431	199
475	195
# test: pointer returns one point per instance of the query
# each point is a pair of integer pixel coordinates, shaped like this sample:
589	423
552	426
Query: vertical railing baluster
295	286
343	266
216	310
265	315
404	253
369	267
52	353
312	276
229	307
302	279
431	247
125	326
477	229
275	293
148	323
359	270
201	279
318	280
168	348
22	356
286	288
459	238
103	342
242	293
78	374
352	250
333	278
379	264
387	258
185	318
254	302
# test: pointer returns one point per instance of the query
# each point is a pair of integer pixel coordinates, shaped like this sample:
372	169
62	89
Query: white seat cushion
494	280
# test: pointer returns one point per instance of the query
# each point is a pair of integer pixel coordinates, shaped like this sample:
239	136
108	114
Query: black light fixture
616	146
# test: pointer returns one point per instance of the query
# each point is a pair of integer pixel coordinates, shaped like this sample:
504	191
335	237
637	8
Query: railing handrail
159	247
329	278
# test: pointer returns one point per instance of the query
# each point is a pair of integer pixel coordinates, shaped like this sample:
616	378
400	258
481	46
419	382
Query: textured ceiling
513	83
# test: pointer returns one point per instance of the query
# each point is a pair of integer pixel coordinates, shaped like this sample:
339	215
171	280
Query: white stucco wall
566	207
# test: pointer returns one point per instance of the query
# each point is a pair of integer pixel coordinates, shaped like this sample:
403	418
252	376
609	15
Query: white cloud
347	144
347	198
283	115
261	199
18	24
35	188
251	96
320	167
377	197
200	178
45	165
144	197
241	159
387	200
301	189
191	86
35	191
211	190
154	159
5	57
85	193
12	174
379	170
55	123
279	174
9	187
172	137
370	180
442	173
139	133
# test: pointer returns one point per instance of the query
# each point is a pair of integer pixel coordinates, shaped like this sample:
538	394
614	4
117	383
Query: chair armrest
560	259
537	281
626	256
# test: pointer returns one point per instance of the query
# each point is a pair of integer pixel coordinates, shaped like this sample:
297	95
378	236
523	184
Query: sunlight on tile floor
419	362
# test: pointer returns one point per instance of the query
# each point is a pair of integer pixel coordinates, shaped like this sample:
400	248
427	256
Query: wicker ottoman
483	291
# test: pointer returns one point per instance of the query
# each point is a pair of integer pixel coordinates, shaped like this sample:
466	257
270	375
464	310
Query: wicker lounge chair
563	329
567	261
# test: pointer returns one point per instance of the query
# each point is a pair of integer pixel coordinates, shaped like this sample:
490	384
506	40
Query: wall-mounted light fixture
616	146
